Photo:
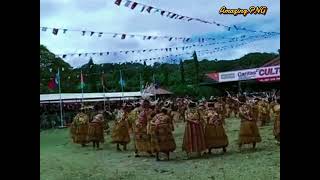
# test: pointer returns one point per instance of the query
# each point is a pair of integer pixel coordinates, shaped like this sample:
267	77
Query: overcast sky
105	16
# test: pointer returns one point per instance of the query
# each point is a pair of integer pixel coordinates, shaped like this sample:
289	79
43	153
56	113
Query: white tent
91	97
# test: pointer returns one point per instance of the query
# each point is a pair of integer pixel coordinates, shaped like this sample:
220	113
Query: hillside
166	75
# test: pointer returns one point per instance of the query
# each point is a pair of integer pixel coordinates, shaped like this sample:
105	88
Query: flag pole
140	83
154	86
104	96
59	82
121	83
81	88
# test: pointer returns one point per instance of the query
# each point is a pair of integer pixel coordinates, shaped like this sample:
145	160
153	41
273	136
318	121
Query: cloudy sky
105	16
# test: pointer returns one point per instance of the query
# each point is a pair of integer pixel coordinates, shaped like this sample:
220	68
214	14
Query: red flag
52	84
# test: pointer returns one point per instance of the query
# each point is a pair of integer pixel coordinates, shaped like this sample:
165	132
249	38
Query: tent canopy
92	96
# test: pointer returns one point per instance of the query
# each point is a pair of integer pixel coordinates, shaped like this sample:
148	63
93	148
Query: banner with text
248	74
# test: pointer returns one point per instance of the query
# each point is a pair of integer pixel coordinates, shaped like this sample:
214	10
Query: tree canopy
182	78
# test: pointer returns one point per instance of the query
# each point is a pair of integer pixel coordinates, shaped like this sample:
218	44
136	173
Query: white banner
247	74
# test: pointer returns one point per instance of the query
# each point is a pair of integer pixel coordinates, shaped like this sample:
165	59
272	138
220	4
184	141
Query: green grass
60	159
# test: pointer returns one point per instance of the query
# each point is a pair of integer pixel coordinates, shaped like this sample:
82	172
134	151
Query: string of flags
201	52
172	15
123	36
55	31
166	49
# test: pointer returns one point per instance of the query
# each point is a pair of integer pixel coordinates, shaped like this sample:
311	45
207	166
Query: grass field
60	159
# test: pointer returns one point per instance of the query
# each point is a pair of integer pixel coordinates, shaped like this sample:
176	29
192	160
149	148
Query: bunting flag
55	31
134	4
99	34
149	9
44	28
123	36
143	8
207	51
117	2
127	3
231	40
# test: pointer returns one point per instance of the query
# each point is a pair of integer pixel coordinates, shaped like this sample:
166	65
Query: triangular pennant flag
162	12
127	4
149	9
115	35
134	4
168	14
173	15
170	38
155	37
132	51
229	28
166	49
127	52
83	33
101	54
181	17
118	2
149	37
100	34
235	27
64	56
157	10
55	31
107	53
86	54
44	28
143	8
144	50
144	37
79	54
91	33
64	31
123	36
131	36
190	19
